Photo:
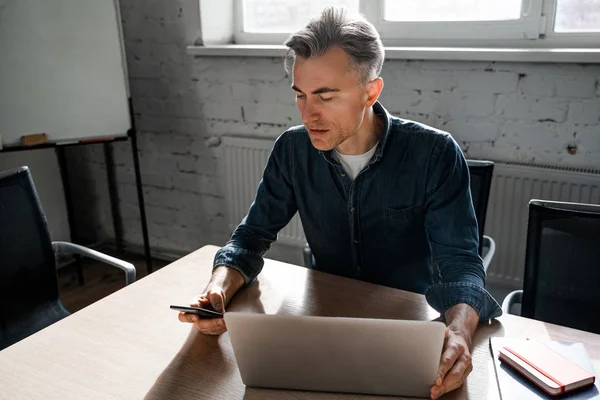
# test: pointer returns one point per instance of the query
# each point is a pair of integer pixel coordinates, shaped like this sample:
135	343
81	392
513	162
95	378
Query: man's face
331	101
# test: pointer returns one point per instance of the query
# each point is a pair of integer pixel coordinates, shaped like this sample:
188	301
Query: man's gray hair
337	27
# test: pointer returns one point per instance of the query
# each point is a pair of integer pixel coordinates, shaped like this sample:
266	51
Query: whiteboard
62	70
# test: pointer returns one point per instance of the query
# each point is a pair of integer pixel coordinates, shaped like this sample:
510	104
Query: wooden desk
130	345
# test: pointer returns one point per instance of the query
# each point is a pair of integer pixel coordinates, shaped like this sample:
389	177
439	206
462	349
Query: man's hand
455	363
223	285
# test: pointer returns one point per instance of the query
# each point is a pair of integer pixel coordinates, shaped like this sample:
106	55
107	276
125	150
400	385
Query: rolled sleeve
445	295
246	262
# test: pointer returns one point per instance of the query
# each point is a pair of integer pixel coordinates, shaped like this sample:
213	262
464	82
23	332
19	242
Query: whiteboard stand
112	187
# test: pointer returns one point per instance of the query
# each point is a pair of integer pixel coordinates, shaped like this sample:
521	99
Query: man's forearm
463	319
229	279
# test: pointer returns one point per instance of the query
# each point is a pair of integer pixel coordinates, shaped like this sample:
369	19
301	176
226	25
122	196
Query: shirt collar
387	120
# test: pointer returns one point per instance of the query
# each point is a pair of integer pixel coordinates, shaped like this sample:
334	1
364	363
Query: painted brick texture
503	111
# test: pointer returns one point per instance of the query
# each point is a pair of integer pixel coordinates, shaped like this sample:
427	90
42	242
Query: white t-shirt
355	163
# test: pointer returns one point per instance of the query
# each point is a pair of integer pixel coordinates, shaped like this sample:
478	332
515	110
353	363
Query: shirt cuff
247	263
445	295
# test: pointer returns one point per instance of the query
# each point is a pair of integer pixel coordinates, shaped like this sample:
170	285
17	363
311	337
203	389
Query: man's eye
300	96
326	99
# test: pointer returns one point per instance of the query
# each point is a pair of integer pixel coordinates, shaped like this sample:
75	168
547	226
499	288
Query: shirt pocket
400	222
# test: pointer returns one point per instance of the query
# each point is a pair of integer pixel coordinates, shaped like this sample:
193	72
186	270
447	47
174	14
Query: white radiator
245	160
512	188
506	222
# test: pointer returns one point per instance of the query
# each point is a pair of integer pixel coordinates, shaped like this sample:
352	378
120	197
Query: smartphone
201	312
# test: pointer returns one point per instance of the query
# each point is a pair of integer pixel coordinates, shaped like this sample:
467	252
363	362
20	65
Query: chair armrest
71	248
491	245
512	298
307	253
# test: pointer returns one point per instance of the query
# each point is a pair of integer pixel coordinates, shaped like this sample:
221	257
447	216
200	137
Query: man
381	199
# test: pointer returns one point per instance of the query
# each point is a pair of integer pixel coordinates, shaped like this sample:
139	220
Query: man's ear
374	89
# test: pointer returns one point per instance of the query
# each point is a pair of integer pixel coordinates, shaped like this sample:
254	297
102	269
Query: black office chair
561	266
28	281
481	182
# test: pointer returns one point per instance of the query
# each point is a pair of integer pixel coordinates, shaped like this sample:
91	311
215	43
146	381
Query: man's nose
310	113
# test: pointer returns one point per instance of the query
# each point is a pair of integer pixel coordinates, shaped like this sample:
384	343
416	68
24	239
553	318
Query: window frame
535	29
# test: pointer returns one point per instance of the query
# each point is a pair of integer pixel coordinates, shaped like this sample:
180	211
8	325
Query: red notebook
552	372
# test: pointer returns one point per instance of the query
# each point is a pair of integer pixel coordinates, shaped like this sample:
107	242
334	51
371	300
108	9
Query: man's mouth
317	131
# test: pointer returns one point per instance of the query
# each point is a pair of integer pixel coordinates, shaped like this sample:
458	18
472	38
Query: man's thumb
216	300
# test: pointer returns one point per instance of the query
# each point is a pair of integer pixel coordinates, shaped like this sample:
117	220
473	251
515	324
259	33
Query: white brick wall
502	111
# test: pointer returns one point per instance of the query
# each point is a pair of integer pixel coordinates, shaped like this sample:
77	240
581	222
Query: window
577	16
457	10
487	23
281	16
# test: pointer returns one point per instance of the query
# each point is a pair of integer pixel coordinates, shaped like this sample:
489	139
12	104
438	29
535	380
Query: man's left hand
455	363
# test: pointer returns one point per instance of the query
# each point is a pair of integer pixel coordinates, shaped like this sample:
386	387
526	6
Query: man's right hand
223	285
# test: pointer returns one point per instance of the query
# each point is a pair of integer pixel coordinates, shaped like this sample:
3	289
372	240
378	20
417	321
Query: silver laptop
352	355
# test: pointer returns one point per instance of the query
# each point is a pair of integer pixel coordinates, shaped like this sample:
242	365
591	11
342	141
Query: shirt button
343	174
353	209
355	241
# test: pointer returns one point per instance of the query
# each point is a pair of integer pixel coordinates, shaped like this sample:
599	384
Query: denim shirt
407	214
